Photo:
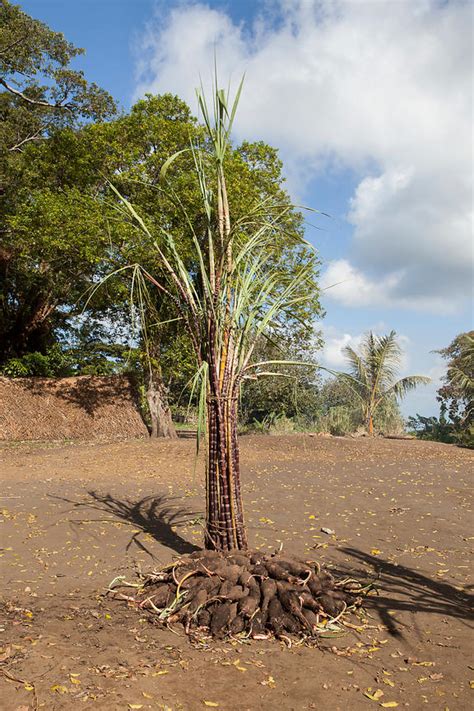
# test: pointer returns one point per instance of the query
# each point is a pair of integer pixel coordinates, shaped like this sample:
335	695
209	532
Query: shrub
52	364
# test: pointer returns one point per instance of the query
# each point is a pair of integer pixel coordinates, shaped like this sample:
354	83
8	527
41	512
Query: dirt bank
84	408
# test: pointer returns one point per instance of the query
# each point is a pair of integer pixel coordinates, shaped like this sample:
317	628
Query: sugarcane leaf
169	161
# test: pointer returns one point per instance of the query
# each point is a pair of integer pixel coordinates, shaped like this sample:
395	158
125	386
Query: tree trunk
160	413
29	330
225	528
370	426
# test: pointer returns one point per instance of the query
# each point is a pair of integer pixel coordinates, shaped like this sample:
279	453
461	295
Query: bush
273	423
339	420
52	364
441	430
388	418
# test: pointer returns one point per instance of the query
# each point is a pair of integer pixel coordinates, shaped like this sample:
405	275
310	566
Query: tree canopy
40	90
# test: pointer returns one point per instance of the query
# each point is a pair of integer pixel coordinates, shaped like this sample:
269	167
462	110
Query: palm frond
357	365
405	385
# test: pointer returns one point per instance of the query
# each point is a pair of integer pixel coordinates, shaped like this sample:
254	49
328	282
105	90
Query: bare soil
76	516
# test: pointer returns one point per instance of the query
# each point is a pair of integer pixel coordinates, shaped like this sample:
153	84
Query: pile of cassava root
244	594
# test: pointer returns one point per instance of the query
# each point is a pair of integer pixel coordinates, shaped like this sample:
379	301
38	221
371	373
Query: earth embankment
79	408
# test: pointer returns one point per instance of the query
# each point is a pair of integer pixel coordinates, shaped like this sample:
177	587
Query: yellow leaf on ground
375	696
60	689
210	703
423	664
375	551
389	705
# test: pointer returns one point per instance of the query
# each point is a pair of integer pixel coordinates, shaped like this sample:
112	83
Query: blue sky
370	106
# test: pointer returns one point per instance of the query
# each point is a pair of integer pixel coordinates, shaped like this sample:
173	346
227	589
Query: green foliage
41	91
55	363
51	232
456	396
293	392
53	247
338	421
339	411
431	428
388	418
100	347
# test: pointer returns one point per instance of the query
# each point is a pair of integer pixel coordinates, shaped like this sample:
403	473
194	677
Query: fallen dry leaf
373	696
59	689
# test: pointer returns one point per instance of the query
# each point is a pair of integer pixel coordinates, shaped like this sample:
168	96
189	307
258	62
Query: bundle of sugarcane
236	292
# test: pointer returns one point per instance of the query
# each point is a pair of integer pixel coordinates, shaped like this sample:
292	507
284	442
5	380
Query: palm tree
373	373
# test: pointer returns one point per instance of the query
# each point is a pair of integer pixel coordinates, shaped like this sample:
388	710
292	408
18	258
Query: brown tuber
247	593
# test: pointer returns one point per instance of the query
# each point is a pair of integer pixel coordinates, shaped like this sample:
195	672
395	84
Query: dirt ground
76	516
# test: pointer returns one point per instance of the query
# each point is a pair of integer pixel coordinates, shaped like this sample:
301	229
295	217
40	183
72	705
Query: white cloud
334	344
353	288
382	88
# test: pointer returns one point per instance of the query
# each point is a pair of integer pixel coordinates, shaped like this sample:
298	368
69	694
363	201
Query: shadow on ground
156	515
401	589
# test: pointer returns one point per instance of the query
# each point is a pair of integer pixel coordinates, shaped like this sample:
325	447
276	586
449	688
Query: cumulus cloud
380	88
353	288
334	344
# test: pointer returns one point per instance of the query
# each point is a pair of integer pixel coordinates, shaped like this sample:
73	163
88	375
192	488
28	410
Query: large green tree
50	237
